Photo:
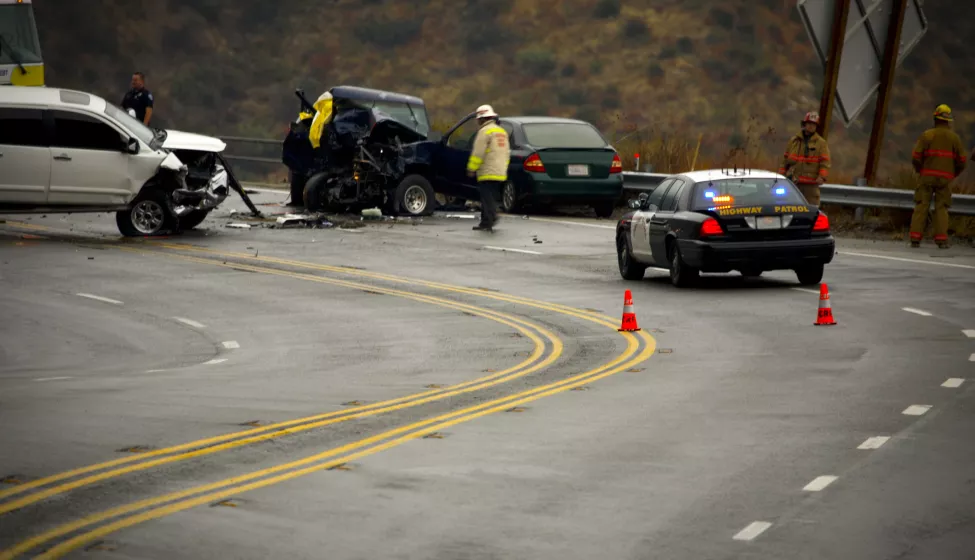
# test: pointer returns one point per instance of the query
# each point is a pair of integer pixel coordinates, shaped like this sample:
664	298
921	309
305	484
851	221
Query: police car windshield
18	35
133	125
745	192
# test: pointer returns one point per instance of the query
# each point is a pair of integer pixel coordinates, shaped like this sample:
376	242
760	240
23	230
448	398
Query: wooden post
891	51
841	12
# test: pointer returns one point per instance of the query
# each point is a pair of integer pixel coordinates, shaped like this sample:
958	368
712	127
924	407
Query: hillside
739	72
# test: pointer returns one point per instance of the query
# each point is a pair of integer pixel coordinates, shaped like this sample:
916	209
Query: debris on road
372	213
235	225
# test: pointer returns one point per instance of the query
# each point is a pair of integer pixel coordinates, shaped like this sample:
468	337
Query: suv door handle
63	157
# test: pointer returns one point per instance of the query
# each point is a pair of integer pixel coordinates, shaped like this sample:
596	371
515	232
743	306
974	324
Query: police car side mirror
132	146
635	204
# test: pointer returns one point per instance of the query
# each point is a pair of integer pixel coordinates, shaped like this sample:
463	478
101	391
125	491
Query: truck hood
177	140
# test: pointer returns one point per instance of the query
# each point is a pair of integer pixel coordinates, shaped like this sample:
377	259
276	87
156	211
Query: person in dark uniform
139	99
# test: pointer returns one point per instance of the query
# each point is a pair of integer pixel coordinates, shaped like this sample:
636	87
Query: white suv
69	151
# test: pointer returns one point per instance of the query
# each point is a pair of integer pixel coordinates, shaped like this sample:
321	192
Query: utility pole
841	12
891	51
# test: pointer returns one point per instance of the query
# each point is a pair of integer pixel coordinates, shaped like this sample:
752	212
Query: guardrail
842	195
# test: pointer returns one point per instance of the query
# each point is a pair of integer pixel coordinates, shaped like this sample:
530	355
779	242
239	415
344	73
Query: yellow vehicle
20	48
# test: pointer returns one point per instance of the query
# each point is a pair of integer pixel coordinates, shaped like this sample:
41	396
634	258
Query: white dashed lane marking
525	251
901	259
875	442
916	311
100	298
807	291
971	358
190	322
753	530
953	383
231	345
819	483
970	333
52	378
215	361
570	223
917	409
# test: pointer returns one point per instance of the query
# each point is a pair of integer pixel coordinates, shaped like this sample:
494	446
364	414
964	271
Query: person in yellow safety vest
323	115
806	162
489	161
938	157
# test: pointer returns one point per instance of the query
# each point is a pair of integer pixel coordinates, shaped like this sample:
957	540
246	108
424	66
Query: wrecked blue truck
376	150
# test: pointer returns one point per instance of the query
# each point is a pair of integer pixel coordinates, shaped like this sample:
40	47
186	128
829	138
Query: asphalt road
420	390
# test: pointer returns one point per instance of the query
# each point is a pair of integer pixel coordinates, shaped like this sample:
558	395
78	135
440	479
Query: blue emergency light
708	194
780	191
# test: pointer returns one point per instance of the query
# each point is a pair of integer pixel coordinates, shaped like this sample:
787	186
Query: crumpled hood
177	140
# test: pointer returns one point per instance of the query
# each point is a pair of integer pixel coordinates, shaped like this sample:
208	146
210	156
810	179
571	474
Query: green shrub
569	70
655	70
539	61
596	67
606	9
667	53
572	96
722	18
387	33
636	29
685	45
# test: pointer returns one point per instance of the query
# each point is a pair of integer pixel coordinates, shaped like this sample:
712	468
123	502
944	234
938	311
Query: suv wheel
414	197
148	215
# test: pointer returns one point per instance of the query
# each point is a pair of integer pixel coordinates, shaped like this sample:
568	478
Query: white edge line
231	345
920	312
214	362
52	378
806	290
567	222
820	483
190	322
753	530
954	382
100	298
875	442
525	251
917	409
902	259
970	333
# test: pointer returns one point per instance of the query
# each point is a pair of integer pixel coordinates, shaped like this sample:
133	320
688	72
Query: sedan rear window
563	135
745	192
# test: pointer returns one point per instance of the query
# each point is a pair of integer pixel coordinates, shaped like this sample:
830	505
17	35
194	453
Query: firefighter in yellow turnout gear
489	162
806	162
938	158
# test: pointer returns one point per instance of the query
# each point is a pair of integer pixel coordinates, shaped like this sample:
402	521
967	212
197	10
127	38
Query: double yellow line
131	514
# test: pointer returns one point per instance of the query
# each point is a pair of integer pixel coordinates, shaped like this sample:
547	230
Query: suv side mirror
132	146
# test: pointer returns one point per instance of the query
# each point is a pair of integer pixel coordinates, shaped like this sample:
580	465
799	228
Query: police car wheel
681	275
751	272
629	269
810	275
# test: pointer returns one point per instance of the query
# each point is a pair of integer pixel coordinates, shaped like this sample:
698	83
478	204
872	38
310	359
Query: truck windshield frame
19	32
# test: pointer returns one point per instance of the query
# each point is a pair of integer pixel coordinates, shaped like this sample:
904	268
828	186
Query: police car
724	220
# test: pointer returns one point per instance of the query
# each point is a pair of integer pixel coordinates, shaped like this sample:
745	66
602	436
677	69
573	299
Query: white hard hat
485	112
324	96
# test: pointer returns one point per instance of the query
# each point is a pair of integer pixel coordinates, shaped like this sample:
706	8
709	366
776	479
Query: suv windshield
18	35
745	192
133	125
412	116
563	135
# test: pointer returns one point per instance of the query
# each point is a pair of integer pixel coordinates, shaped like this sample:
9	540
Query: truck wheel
414	197
298	182
604	209
313	193
147	215
193	219
811	274
629	269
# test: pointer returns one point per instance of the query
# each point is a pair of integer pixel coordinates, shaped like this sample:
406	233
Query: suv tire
414	197
148	215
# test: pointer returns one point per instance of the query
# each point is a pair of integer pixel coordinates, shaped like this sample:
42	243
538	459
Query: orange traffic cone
825	315
629	317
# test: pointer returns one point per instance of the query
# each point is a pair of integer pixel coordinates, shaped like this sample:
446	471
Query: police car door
660	224
640	227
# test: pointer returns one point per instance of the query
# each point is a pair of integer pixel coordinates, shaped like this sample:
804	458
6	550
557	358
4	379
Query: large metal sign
863	49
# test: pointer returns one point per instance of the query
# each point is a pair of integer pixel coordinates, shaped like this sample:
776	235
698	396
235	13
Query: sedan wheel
509	198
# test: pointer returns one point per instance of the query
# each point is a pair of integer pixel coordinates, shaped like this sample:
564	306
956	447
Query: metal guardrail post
858	213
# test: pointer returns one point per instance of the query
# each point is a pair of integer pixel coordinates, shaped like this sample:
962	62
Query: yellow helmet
943	113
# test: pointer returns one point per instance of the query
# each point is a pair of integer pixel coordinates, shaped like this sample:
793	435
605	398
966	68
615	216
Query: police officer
139	99
489	162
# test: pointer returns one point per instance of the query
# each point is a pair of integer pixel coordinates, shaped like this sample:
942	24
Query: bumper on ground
718	256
